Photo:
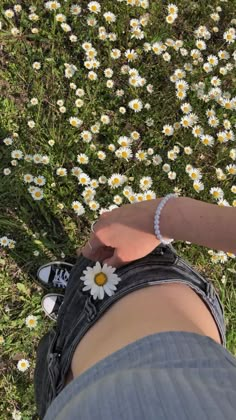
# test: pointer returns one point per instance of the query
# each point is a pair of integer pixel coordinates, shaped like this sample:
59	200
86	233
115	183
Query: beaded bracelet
157	219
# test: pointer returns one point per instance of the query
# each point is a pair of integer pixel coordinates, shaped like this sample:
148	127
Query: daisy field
103	104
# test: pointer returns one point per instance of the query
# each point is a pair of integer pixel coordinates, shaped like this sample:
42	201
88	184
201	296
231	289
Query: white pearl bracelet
157	219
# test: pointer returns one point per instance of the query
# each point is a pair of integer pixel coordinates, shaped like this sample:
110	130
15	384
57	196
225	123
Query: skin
153	309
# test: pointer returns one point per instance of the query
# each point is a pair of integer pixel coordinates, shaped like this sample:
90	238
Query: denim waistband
80	311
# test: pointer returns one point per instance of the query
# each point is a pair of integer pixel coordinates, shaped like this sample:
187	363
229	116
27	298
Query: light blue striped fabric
163	376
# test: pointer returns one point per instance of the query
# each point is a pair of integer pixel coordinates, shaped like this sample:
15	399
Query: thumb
114	260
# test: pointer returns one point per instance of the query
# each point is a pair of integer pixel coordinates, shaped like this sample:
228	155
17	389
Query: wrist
170	220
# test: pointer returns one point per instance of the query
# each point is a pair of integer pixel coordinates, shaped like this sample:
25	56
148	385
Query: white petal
86	288
108	290
101	293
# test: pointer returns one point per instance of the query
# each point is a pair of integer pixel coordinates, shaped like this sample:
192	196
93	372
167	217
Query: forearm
210	225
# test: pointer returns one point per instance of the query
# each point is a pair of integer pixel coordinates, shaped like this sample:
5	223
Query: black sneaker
54	274
51	304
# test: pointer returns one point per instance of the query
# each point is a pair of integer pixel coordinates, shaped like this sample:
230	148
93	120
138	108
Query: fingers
95	246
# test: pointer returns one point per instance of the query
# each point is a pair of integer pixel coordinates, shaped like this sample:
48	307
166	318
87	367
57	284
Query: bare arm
209	225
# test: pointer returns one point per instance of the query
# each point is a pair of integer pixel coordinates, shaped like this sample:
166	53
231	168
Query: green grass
50	226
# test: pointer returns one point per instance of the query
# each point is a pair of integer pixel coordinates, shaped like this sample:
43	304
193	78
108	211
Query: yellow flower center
116	181
94	8
73	123
31	321
100	279
124	154
194	176
216	194
136	106
38	194
23	364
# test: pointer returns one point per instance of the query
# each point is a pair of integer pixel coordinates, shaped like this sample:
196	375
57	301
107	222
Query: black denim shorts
80	311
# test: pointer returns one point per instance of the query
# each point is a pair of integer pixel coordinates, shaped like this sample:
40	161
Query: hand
123	235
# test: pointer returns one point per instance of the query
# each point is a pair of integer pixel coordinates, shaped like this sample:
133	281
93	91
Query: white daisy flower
136	105
37	194
75	122
145	183
8	141
80	92
100	280
23	365
231	169
4	241
83	179
118	199
9	13
217	193
149	195
60	17
115	53
186	108
31	321
207	140
198	186
79	103
109	17
40	180
86	136
17	154
52	5
124	153
141	155
105	119
101	155
82	158
168	130
75	9
195	174
115	181
124	141
78	208
108	72
61	171
94	7
34	101
93	205
6	171
131	55
172	9
36	65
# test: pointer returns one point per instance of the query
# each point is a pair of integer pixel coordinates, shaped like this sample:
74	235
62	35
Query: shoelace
61	277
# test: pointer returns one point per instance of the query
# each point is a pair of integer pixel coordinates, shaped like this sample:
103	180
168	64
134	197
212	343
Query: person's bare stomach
152	309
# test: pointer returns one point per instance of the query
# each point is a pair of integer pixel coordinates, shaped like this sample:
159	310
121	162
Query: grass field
91	103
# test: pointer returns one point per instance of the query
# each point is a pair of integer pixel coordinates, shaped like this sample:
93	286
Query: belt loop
90	309
210	291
